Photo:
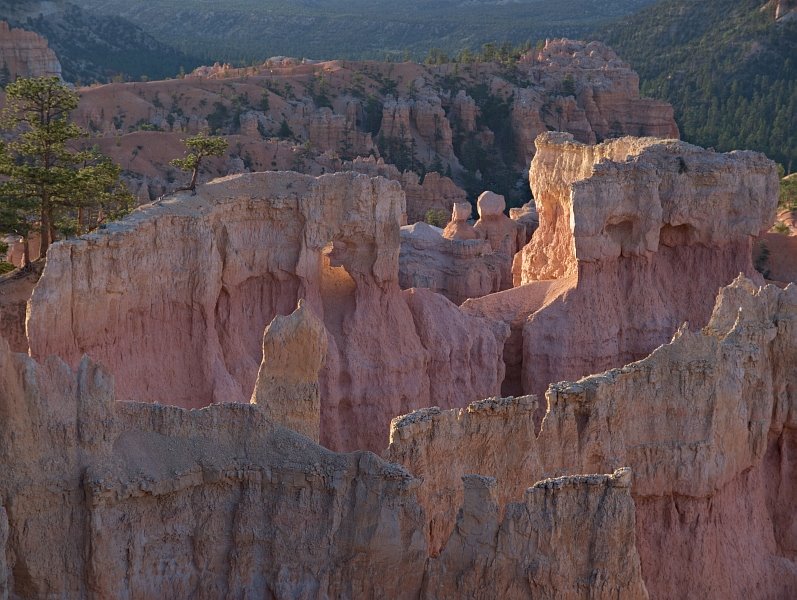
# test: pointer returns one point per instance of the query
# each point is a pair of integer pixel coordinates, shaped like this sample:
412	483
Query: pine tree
46	180
201	147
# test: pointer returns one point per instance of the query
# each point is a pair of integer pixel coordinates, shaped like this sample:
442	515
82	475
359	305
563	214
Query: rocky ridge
225	262
705	423
449	120
273	300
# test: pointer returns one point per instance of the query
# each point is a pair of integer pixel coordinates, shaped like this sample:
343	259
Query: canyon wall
640	233
185	286
706	424
440	129
585	89
457	269
108	499
26	54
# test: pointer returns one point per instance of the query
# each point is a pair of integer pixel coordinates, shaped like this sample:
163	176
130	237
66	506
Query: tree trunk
194	177
44	230
26	253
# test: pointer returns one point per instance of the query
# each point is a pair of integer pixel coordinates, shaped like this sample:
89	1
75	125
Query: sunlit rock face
174	300
636	237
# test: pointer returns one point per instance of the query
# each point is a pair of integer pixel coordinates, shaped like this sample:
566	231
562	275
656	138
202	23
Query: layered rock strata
319	117
644	232
432	193
584	88
108	499
26	54
706	423
456	268
482	434
184	287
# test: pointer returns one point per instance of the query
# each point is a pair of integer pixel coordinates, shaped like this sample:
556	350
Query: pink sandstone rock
585	89
457	269
482	433
633	220
417	104
184	287
458	227
435	192
506	236
527	216
706	424
464	111
775	256
26	54
294	349
110	499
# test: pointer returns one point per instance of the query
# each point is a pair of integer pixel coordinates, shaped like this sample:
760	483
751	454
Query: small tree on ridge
201	147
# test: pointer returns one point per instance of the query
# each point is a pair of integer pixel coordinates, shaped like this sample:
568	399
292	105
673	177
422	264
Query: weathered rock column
294	350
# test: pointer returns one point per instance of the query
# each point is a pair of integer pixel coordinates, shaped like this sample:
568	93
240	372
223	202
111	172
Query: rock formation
184	287
506	237
584	88
527	216
108	499
26	54
785	10
294	350
435	192
706	424
458	227
15	290
775	257
420	119
456	268
623	226
444	446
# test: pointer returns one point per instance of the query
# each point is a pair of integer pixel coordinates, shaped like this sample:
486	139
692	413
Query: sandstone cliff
706	423
107	499
640	234
587	90
26	54
469	123
185	287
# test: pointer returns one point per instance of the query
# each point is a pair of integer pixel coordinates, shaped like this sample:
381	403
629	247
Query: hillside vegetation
728	68
95	47
252	30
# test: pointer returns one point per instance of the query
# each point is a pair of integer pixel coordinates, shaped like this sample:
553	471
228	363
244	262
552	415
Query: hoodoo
636	237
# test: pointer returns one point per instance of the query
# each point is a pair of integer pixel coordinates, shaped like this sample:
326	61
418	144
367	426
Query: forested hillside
94	47
253	30
728	68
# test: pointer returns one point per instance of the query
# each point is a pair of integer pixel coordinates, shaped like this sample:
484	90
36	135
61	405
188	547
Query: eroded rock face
649	229
584	88
435	192
26	54
506	237
456	268
706	424
527	216
482	434
294	349
775	256
183	288
458	227
109	499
